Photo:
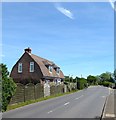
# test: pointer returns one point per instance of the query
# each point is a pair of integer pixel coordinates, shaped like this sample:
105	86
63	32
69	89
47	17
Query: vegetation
81	83
8	86
106	79
92	80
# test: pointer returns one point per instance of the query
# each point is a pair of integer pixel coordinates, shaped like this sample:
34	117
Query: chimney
28	50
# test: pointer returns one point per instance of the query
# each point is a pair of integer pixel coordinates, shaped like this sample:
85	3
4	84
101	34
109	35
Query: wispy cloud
112	4
2	55
64	11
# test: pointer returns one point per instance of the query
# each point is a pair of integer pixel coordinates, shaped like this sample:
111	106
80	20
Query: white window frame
20	68
31	68
50	69
58	71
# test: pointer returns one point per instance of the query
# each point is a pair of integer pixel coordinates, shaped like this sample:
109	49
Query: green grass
21	104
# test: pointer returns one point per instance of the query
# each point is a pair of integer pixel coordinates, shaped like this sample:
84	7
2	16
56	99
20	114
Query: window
50	69
58	71
31	66
20	68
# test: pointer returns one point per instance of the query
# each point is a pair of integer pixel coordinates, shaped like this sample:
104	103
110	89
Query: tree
91	80
67	79
81	83
76	79
71	80
8	86
107	77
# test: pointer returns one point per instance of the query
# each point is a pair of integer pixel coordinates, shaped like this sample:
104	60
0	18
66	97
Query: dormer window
50	69
31	67
20	68
58	71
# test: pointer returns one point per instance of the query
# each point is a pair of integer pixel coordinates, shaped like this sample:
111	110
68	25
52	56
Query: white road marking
50	111
58	107
103	96
110	115
67	103
78	97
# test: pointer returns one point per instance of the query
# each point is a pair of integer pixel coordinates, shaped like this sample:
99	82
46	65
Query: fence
32	92
27	92
56	89
19	94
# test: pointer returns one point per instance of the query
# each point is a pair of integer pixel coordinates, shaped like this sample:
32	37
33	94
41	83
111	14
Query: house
32	68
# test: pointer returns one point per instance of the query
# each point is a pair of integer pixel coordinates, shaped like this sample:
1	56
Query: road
87	103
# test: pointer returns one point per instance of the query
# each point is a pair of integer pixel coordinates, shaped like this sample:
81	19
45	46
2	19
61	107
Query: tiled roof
43	63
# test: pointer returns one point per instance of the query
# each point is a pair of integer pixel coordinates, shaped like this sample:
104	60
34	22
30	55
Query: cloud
64	11
112	4
2	55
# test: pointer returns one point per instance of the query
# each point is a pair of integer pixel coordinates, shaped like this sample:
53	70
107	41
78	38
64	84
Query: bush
82	83
107	84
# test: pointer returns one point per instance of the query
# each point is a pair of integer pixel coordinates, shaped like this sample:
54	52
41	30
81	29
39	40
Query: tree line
106	79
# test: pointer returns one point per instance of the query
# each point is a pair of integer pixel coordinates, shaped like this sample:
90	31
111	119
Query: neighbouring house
32	68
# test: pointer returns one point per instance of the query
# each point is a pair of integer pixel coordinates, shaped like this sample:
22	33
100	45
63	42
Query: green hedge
82	83
107	84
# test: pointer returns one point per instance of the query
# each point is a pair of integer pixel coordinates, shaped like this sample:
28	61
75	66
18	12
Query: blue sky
79	37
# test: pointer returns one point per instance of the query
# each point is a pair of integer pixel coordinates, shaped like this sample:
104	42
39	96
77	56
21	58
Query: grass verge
21	104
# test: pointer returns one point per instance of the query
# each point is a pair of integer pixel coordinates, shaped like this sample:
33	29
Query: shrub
81	84
107	84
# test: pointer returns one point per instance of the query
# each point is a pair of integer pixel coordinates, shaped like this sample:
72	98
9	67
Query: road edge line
104	107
